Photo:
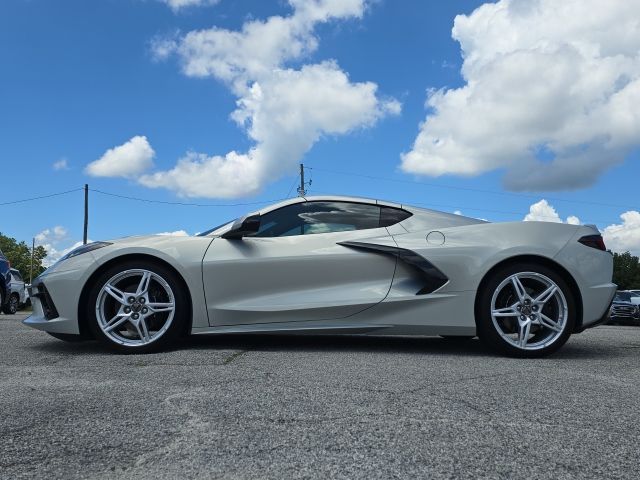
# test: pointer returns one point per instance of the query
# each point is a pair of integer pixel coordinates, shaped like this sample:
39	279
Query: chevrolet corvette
329	265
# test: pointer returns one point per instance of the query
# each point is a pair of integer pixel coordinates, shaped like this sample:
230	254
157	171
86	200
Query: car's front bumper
56	293
45	315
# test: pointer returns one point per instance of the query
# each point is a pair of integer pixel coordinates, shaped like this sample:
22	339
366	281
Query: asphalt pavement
318	407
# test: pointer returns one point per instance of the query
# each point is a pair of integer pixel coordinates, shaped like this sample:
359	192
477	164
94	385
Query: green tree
19	254
626	271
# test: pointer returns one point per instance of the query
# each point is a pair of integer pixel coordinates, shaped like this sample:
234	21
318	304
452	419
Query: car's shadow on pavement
291	343
334	343
382	344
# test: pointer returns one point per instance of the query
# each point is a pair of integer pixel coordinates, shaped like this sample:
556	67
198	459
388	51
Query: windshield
623	297
214	229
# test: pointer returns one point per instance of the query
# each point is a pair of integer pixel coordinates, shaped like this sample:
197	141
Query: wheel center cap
526	309
136	307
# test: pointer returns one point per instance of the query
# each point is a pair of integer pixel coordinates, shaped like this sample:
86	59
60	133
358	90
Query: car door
293	268
17	285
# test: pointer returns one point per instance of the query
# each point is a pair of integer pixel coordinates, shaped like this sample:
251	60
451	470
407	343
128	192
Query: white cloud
550	95
285	116
177	5
621	237
56	234
177	233
54	240
542	211
285	111
126	160
61	164
625	236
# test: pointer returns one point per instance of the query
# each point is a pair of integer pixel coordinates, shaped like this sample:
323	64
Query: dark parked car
624	310
5	279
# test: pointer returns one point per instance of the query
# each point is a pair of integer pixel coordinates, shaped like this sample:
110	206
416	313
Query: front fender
184	254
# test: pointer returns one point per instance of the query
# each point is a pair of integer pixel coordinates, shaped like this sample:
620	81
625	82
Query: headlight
89	247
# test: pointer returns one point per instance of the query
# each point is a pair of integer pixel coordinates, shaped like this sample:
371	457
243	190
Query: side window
17	277
318	217
390	216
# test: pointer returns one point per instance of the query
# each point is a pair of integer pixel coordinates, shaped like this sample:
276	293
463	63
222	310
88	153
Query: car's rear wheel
12	305
137	307
526	310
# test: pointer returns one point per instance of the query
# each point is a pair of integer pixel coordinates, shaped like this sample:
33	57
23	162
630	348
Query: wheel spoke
116	293
505	312
549	323
523	332
545	296
141	326
158	307
519	288
114	322
143	286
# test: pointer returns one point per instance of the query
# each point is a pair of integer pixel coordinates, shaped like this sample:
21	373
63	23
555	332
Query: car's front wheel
137	307
526	310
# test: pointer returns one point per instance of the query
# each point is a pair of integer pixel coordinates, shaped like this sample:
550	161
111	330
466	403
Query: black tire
175	330
487	331
12	305
67	337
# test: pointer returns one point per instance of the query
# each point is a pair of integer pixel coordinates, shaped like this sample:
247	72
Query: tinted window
623	297
17	276
318	217
390	216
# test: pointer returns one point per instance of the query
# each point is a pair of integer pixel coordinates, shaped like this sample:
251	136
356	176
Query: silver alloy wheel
529	310
135	307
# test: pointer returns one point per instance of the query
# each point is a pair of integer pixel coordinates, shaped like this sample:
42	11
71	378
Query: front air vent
46	301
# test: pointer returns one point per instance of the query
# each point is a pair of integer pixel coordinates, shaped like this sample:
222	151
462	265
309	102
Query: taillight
593	241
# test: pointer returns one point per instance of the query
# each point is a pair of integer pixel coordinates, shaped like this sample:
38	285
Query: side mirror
243	227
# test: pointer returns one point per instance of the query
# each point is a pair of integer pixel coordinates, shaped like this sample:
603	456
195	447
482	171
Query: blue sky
79	78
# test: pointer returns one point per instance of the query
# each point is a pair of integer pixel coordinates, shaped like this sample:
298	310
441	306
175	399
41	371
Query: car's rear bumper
596	304
601	321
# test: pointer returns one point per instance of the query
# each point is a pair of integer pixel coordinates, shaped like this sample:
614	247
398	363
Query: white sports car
335	265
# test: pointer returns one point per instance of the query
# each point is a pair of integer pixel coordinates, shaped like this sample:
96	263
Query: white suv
17	293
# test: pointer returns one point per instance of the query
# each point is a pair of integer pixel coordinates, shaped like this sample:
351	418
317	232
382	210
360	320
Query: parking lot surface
318	407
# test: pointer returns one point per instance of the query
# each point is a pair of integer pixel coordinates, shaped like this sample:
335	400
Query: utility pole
301	190
33	248
86	213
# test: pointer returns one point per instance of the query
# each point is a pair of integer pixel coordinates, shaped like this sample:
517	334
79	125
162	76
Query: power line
472	189
40	197
186	204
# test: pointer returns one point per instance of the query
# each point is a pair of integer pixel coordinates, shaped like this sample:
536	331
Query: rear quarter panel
470	251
